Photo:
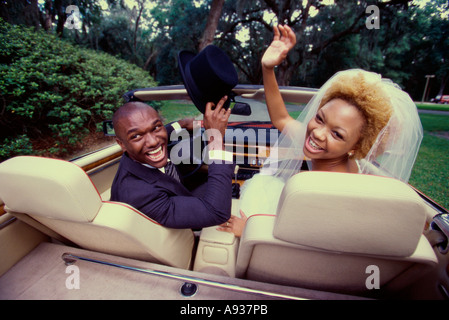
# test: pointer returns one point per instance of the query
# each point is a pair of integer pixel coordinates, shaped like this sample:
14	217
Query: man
143	182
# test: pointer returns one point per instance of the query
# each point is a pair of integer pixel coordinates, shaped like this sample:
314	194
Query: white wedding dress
392	154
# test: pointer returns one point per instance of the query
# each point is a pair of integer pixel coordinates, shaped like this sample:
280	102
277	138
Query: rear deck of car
43	274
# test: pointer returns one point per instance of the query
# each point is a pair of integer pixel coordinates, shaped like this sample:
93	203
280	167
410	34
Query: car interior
332	233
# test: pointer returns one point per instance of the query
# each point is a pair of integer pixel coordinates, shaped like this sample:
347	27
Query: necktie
170	169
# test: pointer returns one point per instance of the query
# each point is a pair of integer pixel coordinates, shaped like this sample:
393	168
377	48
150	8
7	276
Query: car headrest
352	213
48	187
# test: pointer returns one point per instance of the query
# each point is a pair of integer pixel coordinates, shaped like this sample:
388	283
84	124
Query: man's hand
186	123
215	123
283	41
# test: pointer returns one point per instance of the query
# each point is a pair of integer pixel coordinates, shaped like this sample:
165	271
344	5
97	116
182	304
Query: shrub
53	93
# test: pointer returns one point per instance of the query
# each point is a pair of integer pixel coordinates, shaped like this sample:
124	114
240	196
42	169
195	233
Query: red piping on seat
262	215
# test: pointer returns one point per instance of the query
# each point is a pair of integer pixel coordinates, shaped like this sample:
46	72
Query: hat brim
184	57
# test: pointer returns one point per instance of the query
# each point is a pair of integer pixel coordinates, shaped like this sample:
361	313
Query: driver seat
60	195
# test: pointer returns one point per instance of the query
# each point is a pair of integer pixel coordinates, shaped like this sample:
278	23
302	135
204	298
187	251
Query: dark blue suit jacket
168	202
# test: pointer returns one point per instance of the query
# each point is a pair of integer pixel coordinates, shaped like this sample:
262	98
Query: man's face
142	134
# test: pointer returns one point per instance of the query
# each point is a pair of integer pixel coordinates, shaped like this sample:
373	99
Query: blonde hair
370	99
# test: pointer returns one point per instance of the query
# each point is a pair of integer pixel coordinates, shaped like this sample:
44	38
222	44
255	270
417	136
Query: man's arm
174	206
177	126
180	208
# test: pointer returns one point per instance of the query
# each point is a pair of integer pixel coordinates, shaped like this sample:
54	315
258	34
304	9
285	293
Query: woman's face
334	131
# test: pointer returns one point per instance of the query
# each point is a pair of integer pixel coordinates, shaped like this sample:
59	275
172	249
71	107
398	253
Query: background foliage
57	83
53	92
412	40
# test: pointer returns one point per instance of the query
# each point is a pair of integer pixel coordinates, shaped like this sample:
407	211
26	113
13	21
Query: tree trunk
136	26
31	13
443	84
62	17
148	61
211	24
282	75
46	16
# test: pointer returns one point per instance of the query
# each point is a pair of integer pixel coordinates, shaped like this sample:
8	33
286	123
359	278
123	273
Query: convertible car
333	236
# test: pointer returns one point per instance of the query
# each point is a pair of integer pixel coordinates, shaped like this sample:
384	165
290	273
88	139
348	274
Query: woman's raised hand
283	41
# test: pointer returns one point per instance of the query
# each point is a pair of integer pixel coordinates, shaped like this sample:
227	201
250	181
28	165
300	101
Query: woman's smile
312	146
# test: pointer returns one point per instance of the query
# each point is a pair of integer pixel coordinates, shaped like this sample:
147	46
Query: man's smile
156	155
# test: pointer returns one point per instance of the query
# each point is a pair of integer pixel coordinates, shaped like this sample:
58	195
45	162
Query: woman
356	123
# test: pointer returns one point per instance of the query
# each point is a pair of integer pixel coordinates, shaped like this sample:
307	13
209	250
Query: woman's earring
350	153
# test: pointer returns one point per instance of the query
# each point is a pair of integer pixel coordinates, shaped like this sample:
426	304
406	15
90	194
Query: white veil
392	154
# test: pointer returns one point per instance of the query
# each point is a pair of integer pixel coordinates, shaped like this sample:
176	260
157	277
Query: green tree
54	93
429	49
51	14
318	27
178	25
212	23
412	40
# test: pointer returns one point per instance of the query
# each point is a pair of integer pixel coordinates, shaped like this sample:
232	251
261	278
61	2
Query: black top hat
208	76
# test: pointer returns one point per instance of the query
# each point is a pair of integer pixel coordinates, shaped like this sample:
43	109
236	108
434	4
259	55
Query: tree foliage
333	37
411	42
46	80
178	25
53	92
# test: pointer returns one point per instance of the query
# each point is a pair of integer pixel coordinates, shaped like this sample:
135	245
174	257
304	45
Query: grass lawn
433	106
431	171
175	110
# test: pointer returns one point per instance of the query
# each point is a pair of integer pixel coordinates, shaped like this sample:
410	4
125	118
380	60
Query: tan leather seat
338	232
60	195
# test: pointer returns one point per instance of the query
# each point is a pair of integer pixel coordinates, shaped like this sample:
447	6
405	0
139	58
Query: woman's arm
283	41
